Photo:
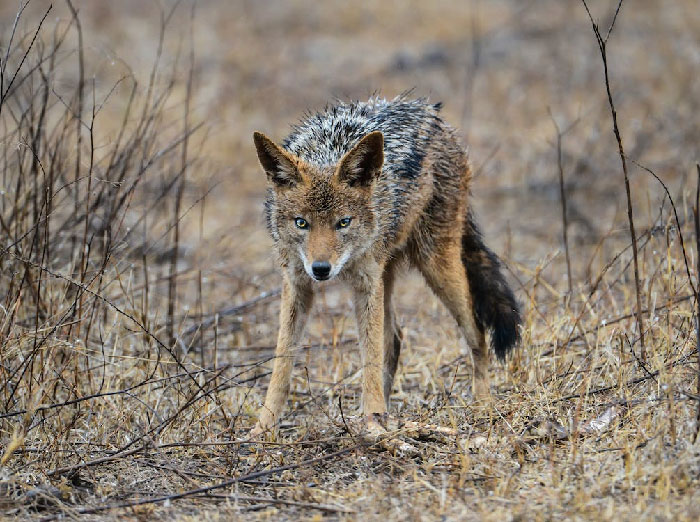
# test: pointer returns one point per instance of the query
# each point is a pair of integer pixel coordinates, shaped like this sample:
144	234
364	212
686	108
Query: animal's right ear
363	163
276	162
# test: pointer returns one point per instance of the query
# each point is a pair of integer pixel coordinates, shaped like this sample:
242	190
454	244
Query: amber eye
344	223
301	223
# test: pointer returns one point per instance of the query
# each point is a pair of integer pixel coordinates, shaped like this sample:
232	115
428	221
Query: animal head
324	216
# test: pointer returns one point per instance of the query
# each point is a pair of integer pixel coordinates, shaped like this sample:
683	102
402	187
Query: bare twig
696	214
602	43
562	194
4	93
308	505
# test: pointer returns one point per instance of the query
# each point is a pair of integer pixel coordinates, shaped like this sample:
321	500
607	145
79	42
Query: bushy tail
495	307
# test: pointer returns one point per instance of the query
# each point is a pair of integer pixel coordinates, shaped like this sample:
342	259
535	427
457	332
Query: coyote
356	192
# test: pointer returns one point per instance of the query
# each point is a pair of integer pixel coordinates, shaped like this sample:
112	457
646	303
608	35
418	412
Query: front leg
297	297
369	308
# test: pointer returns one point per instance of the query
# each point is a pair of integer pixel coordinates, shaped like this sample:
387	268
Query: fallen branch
308	505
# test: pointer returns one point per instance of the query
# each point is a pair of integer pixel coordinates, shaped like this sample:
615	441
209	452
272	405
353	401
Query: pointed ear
363	164
277	163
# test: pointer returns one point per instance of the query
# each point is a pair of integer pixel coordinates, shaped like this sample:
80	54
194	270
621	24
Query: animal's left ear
363	164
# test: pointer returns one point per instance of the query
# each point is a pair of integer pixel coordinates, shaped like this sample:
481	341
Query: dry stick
3	64
87	243
221	485
172	276
172	286
697	301
308	505
3	94
199	303
78	114
565	224
562	193
224	443
602	43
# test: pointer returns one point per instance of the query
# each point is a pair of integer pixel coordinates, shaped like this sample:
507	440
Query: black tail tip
505	334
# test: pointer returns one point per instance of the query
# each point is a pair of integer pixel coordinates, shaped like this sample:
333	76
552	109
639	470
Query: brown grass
130	208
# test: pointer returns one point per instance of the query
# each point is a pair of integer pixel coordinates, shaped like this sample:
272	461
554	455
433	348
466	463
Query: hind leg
392	331
447	277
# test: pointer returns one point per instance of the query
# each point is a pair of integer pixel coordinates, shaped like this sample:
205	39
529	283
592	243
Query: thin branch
3	94
630	215
696	211
562	194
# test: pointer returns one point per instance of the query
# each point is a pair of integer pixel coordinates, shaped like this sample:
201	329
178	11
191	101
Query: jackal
357	191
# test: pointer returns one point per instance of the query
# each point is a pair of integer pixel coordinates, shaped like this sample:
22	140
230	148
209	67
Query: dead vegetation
138	292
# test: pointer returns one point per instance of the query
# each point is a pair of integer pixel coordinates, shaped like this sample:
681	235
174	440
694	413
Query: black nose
321	269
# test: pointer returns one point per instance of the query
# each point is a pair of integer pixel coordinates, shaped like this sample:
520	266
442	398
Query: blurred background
504	70
186	251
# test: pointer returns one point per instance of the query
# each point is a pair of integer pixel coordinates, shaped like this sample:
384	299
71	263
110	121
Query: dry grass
131	206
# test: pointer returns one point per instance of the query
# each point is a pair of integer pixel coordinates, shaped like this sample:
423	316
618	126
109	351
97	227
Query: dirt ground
103	416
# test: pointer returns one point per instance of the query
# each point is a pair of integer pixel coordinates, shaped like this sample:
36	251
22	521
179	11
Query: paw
394	435
257	432
481	391
378	429
261	432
